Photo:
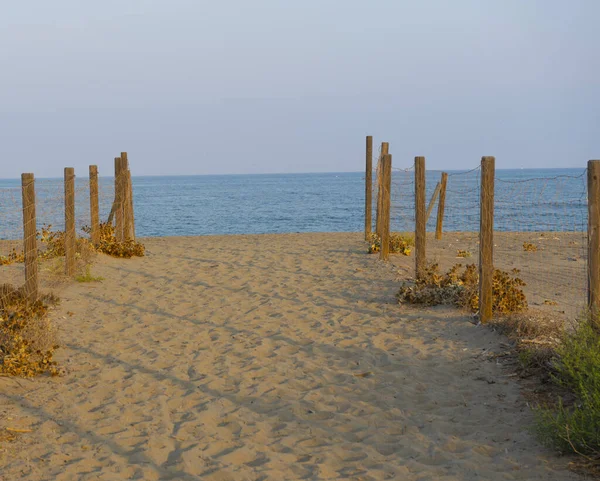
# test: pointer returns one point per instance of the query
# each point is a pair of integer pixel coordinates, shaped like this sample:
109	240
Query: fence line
29	212
539	226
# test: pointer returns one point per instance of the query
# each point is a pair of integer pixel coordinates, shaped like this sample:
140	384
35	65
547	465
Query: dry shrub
14	256
399	244
51	246
529	247
536	336
110	245
462	253
27	337
462	289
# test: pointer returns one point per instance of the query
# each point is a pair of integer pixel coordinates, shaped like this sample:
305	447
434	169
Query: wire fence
540	229
44	208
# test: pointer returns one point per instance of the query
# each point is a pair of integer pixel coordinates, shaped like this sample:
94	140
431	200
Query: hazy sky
238	86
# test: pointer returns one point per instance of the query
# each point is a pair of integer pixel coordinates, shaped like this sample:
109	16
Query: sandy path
236	358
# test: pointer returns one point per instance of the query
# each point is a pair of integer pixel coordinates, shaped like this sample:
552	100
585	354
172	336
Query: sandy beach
269	357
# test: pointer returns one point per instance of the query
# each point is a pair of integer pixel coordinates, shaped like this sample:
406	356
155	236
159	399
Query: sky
269	86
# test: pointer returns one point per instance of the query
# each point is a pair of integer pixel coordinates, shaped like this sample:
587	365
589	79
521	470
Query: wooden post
118	204
126	201
486	240
441	206
94	209
29	236
384	253
384	151
369	188
420	221
436	192
69	221
131	211
594	241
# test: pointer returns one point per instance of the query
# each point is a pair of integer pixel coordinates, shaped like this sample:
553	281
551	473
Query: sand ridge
266	357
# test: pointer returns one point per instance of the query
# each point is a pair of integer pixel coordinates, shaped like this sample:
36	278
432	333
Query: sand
272	357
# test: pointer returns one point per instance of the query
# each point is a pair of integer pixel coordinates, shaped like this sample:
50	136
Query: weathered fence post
94	209
69	221
369	188
384	151
594	241
436	193
130	206
125	197
441	206
384	253
29	236
420	221
118	204
486	240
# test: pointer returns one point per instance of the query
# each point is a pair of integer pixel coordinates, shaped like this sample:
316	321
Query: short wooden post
369	188
436	192
486	240
118	204
29	236
94	209
441	206
384	253
69	221
384	151
420	220
594	241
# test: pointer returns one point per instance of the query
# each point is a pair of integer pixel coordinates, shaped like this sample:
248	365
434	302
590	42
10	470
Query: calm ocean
526	200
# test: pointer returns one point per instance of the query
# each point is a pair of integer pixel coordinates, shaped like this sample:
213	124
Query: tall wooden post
130	206
384	151
441	206
594	241
29	236
420	220
118	205
125	192
69	221
94	209
486	240
369	187
384	253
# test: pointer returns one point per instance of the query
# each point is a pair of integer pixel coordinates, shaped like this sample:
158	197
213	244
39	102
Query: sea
525	200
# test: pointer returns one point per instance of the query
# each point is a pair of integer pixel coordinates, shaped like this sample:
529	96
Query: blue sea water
525	200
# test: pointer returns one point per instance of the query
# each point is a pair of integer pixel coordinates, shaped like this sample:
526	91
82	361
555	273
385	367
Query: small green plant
399	244
462	253
575	429
87	276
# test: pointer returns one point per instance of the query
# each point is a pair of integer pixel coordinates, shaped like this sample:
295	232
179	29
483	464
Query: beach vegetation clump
529	247
399	244
14	256
575	428
461	288
111	246
27	336
463	253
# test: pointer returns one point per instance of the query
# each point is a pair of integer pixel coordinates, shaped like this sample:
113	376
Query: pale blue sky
198	87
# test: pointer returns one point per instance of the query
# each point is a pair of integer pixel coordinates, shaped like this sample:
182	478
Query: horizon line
308	173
